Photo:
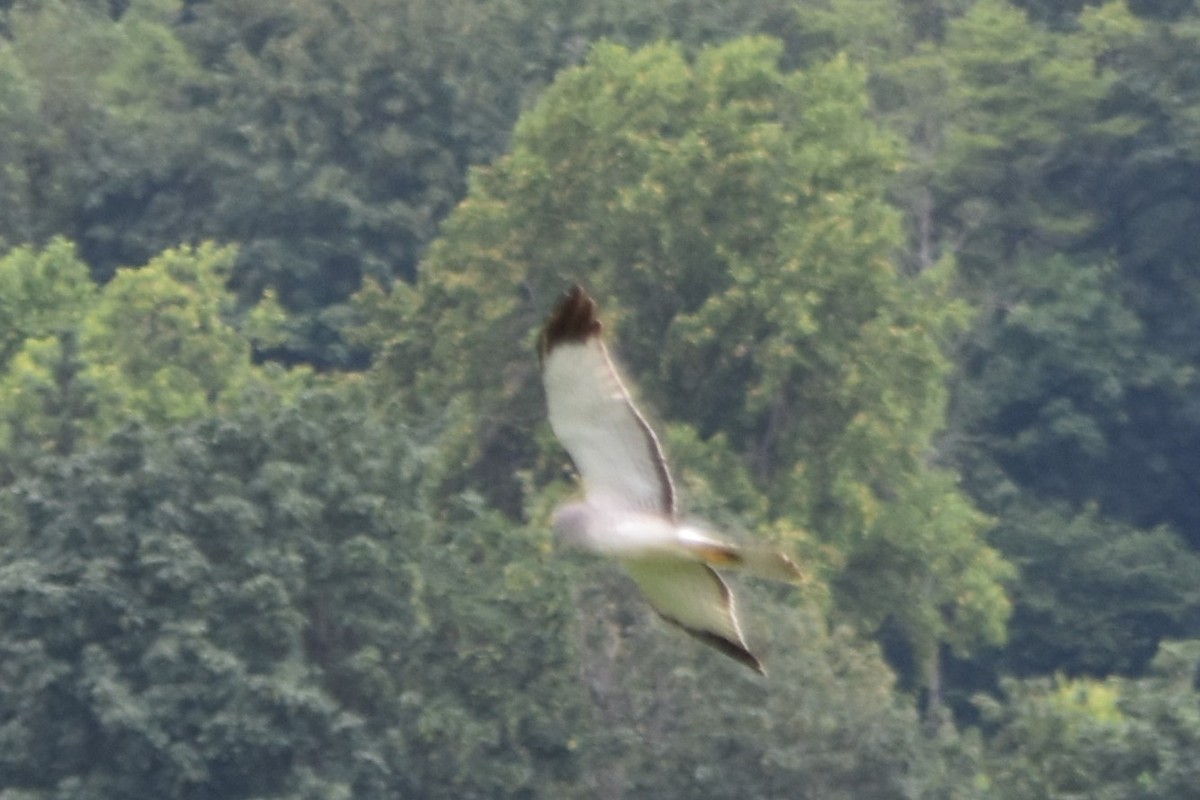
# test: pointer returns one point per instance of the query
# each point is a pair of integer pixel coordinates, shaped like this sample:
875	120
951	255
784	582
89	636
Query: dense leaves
263	605
1078	384
1074	565
159	344
1114	738
734	217
98	146
908	287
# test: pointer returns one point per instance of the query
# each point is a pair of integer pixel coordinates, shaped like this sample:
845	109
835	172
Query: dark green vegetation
911	288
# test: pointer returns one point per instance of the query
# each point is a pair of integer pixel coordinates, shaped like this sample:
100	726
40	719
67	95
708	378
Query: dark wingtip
735	650
573	320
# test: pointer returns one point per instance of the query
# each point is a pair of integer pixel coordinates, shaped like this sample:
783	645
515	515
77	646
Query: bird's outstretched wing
592	414
691	595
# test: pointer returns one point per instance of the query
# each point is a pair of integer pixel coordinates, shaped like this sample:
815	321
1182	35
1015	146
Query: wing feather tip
735	650
574	319
730	647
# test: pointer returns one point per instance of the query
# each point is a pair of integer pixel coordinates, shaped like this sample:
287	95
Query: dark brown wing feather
735	650
573	320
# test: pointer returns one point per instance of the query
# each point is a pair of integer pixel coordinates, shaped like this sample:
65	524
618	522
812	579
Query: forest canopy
910	290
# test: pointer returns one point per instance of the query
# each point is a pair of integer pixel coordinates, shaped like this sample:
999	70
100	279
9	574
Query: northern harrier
628	512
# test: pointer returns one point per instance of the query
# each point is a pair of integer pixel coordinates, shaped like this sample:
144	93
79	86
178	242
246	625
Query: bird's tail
759	561
763	562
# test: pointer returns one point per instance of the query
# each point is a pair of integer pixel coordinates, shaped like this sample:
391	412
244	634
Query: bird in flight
628	511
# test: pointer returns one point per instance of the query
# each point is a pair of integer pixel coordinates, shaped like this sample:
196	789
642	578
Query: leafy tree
156	344
265	605
1149	204
1031	127
826	723
1077	386
94	113
1072	735
693	24
1115	738
41	293
1096	596
1047	381
339	134
1050	401
326	139
732	217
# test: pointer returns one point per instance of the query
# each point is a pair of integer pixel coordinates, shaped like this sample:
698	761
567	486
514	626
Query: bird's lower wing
692	596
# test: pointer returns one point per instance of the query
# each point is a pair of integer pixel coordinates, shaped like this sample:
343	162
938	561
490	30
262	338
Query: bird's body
621	535
629	510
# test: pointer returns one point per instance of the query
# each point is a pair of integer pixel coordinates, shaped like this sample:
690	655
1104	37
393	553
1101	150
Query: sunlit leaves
1115	738
42	293
157	344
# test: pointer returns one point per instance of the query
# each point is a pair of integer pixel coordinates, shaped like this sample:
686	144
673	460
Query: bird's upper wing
592	414
691	595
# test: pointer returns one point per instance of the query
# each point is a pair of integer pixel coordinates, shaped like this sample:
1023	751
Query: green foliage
43	404
268	605
775	255
340	134
1149	205
1047	382
265	606
694	24
1111	739
826	722
41	294
95	110
327	139
1051	397
1078	384
1073	566
1029	126
155	344
732	218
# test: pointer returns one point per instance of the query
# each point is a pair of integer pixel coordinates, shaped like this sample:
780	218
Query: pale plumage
629	510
